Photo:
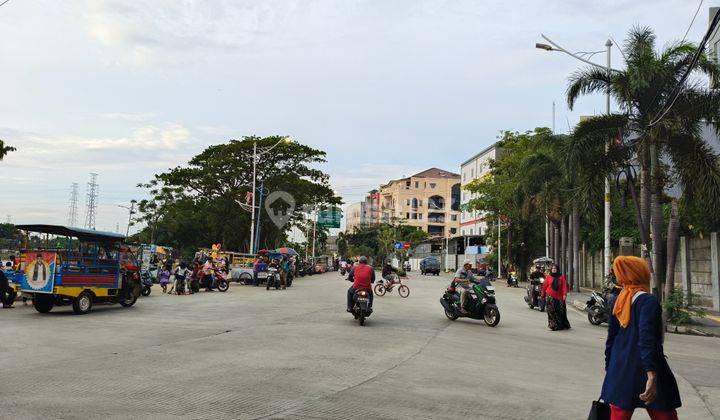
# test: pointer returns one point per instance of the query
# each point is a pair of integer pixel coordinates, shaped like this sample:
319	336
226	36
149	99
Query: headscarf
633	274
556	277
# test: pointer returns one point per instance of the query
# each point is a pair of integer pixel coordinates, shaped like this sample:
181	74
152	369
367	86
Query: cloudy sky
387	88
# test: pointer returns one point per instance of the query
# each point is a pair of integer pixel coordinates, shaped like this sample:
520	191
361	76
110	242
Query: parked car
430	265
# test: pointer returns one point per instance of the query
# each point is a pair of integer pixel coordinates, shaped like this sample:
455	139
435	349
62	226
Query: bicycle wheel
379	289
403	291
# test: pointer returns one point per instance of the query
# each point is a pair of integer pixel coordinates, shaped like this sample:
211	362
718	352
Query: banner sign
38	270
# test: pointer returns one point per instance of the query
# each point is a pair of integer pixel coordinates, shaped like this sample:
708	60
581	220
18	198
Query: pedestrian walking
7	293
554	291
637	374
164	275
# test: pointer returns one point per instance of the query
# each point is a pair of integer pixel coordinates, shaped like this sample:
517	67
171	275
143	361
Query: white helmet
466	262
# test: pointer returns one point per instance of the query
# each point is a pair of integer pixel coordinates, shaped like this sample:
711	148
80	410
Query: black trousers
7	293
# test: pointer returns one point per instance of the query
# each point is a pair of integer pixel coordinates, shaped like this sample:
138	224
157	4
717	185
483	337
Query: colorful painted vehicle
81	268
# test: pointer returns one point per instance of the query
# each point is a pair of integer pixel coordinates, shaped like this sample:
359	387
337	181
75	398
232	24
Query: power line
692	21
3	3
677	90
72	210
91	202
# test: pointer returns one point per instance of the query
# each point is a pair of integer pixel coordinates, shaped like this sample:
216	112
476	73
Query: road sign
406	245
398	245
329	218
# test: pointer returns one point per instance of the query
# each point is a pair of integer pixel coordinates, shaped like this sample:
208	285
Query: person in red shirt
362	276
555	290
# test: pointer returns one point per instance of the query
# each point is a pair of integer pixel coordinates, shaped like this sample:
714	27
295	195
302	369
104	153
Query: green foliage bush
679	310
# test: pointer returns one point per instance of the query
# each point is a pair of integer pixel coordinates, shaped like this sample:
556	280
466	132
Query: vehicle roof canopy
88	235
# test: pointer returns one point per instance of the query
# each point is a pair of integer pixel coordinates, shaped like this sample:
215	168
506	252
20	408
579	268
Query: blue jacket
631	352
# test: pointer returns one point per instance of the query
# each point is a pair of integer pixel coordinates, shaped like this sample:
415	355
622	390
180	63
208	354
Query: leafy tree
377	240
206	201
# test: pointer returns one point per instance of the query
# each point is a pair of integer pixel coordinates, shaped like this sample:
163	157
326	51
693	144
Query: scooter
272	279
533	291
598	306
482	304
406	266
362	307
512	280
147	282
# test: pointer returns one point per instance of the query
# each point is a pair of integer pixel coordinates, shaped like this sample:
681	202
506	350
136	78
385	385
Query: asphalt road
296	354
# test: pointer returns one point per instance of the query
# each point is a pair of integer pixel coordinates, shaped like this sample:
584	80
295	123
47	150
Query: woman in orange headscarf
637	373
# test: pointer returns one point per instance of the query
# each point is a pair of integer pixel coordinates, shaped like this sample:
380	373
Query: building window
432	185
471	231
453	231
414	203
414	216
419	203
419	216
453	217
407	202
407	215
436	202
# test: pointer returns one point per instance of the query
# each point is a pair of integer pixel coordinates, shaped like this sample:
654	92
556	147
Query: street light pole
608	44
607	256
499	244
131	211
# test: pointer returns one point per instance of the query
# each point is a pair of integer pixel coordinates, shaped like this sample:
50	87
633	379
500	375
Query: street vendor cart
78	267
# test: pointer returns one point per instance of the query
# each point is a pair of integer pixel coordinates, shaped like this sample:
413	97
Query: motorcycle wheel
594	318
128	300
491	316
452	316
146	291
223	286
267	285
379	289
403	291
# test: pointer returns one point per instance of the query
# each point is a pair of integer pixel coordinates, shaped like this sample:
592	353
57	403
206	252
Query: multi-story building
471	222
365	212
428	200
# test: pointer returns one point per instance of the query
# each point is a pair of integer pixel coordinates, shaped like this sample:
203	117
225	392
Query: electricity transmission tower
91	202
72	210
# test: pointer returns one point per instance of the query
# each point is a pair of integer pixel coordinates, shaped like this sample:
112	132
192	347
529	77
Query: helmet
467	262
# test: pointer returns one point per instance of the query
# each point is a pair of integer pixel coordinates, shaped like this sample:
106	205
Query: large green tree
207	200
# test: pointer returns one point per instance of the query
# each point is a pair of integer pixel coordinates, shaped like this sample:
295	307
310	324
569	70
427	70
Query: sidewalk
710	325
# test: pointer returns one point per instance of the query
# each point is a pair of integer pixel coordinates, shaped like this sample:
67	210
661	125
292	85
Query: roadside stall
81	268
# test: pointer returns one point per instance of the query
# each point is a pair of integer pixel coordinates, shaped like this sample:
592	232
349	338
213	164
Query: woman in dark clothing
637	374
555	290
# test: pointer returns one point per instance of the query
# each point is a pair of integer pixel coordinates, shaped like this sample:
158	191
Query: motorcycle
533	291
598	307
147	282
272	279
361	308
406	266
289	279
482	304
512	280
218	277
343	271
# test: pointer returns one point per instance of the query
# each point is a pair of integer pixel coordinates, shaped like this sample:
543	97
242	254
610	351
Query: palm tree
666	146
4	150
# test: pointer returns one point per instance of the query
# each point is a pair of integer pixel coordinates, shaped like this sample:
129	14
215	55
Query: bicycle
385	285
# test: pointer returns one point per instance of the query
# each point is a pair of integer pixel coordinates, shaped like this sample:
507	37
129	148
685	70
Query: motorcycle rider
463	277
362	276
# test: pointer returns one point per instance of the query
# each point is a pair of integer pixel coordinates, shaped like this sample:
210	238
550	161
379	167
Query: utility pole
91	202
499	240
608	257
72	211
314	230
252	212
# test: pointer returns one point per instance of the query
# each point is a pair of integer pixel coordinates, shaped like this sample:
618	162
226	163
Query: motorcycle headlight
483	300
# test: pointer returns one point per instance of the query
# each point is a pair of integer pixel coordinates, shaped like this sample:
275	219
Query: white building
471	223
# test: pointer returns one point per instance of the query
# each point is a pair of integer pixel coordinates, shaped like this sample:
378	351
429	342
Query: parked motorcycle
533	291
362	307
218	277
481	304
598	306
147	282
272	279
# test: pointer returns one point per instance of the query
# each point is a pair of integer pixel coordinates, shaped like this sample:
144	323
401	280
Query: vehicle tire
245	278
82	304
146	290
403	291
491	316
362	319
593	318
223	285
452	316
128	300
42	303
267	284
422	272
379	289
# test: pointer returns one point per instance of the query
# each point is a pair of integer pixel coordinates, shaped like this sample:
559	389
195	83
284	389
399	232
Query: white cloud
127	116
